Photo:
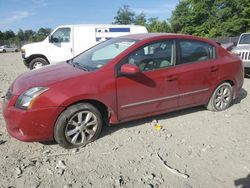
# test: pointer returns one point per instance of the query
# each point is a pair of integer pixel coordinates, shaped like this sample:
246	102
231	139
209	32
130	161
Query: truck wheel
221	98
78	125
37	63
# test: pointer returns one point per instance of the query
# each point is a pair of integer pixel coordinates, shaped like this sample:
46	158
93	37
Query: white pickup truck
243	49
67	41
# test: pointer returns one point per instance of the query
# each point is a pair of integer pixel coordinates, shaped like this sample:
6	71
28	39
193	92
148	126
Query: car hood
45	77
31	45
242	47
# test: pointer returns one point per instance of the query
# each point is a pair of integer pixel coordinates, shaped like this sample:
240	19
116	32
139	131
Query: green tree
8	35
181	19
1	35
124	16
140	19
29	35
211	18
20	35
42	33
155	25
127	16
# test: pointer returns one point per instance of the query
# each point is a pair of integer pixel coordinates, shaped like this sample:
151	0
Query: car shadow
107	130
243	182
242	95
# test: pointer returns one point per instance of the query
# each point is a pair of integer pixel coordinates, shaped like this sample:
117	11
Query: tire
222	98
16	50
37	63
78	125
4	51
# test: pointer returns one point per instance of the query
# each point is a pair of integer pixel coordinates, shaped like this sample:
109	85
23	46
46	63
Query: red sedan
122	79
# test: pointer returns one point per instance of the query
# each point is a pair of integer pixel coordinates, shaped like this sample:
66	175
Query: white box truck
67	41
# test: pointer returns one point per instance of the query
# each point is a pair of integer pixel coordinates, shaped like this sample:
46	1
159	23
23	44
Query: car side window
193	51
61	35
154	56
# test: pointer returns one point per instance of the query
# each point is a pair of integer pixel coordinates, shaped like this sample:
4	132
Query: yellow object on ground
158	127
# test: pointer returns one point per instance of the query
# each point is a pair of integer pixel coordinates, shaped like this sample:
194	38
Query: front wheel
37	63
78	125
221	98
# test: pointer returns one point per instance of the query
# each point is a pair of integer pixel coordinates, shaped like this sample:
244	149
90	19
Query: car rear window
195	51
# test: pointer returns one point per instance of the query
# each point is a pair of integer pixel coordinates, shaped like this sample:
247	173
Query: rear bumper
31	125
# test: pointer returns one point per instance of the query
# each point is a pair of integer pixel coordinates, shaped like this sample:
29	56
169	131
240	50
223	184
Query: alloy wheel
81	128
222	97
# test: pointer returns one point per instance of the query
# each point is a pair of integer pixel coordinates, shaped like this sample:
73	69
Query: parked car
243	49
67	41
8	48
119	80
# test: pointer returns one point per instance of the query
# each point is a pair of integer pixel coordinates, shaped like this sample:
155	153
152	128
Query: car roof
144	36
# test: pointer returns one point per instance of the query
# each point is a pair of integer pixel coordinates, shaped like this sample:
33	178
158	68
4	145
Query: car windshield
245	39
101	54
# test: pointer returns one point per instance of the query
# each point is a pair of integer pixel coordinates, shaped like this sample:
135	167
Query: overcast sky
34	14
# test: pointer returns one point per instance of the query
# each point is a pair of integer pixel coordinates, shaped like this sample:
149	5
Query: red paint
127	97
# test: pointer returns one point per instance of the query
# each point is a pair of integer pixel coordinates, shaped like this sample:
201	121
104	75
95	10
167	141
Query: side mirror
129	69
53	39
50	39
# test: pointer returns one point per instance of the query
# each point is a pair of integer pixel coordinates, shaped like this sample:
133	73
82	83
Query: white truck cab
67	41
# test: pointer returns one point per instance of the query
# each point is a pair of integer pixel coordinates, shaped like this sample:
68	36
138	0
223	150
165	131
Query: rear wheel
221	98
78	125
37	63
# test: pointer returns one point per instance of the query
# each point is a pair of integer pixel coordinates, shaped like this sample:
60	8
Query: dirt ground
195	148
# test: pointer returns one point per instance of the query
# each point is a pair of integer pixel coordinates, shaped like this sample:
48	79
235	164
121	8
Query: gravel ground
194	148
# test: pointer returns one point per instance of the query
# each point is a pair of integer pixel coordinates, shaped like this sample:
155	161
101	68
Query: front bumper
25	60
30	125
246	64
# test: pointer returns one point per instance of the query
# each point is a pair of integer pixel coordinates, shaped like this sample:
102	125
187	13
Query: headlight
26	100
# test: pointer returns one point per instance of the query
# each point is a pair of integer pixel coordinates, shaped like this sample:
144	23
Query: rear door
154	89
60	48
197	69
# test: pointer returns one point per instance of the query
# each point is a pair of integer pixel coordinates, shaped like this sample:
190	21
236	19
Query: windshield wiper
76	64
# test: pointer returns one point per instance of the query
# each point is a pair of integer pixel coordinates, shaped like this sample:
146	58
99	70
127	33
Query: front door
60	46
154	89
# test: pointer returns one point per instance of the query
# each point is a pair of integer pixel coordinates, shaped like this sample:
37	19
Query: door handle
171	78
214	68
